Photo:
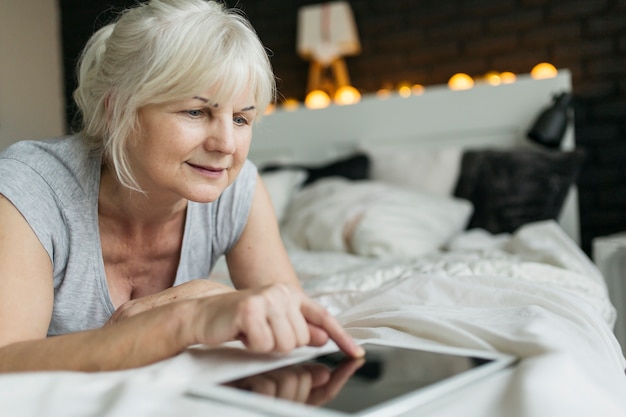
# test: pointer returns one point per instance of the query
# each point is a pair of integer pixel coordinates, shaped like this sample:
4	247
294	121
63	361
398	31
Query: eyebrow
206	100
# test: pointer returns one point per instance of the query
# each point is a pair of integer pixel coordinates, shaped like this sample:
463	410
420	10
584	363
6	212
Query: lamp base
319	79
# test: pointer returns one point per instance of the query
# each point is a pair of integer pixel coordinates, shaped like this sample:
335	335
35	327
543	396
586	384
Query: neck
134	209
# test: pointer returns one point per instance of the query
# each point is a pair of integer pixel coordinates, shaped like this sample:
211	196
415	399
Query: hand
193	289
275	318
308	383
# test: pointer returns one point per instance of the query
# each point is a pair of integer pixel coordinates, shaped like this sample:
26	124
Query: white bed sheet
534	295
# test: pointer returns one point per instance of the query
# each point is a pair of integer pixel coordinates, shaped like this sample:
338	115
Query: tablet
388	381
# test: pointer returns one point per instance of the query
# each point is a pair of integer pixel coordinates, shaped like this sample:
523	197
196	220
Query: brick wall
429	40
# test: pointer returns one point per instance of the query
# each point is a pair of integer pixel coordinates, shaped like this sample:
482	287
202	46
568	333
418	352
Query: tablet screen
350	386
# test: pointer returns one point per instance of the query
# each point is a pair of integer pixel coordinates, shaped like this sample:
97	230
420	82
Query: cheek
243	145
240	156
164	142
151	154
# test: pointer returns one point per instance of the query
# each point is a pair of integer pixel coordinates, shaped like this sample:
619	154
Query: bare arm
26	289
197	288
140	340
268	319
26	300
260	257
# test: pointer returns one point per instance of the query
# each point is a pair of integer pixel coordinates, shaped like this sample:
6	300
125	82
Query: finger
320	317
317	336
299	325
255	330
298	322
282	334
280	318
288	324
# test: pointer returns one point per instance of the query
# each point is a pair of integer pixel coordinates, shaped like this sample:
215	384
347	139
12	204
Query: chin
204	195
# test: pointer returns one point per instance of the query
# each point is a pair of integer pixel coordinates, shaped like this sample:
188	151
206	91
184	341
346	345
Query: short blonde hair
159	51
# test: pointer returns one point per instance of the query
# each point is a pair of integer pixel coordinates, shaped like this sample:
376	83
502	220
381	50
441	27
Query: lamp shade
326	32
549	128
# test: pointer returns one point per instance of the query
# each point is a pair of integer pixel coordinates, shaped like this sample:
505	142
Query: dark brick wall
429	40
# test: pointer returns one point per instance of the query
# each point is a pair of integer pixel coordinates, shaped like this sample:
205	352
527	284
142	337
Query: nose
221	136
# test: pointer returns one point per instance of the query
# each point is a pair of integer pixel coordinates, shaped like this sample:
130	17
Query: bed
387	210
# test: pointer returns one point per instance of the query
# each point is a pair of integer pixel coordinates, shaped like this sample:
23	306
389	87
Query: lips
207	169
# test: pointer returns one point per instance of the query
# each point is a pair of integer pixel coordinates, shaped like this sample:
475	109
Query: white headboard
482	116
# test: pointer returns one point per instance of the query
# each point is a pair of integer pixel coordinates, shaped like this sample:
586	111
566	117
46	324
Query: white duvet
534	295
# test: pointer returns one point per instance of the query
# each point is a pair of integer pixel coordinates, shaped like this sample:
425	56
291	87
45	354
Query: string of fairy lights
347	95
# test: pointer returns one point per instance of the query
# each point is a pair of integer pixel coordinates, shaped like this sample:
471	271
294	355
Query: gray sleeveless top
55	185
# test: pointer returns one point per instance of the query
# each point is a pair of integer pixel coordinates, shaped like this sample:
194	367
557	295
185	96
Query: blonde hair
159	51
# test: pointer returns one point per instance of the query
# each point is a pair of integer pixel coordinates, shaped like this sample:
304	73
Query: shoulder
69	152
53	183
63	164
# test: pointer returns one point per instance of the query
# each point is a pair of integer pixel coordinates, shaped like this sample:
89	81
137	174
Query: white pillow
282	185
319	212
431	170
371	218
409	223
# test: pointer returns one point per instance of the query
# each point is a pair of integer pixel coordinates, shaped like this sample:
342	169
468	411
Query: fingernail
359	351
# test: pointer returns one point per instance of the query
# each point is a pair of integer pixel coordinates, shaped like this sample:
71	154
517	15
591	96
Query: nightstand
609	254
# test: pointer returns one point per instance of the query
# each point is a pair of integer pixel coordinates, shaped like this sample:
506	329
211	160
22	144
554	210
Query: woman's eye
195	113
240	120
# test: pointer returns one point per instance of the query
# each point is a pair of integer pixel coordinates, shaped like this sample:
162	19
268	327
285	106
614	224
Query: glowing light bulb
508	77
347	95
543	70
404	89
460	81
317	99
383	93
493	78
417	89
291	104
269	109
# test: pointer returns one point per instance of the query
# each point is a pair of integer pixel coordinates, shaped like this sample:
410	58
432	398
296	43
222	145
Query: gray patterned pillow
510	188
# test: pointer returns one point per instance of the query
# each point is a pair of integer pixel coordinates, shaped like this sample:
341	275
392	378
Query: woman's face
192	148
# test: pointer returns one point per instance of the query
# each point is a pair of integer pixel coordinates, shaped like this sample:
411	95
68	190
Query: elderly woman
107	237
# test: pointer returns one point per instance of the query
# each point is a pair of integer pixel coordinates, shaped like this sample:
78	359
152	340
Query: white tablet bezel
279	407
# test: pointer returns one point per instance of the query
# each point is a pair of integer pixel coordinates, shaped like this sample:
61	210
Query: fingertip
359	352
320	319
351	348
